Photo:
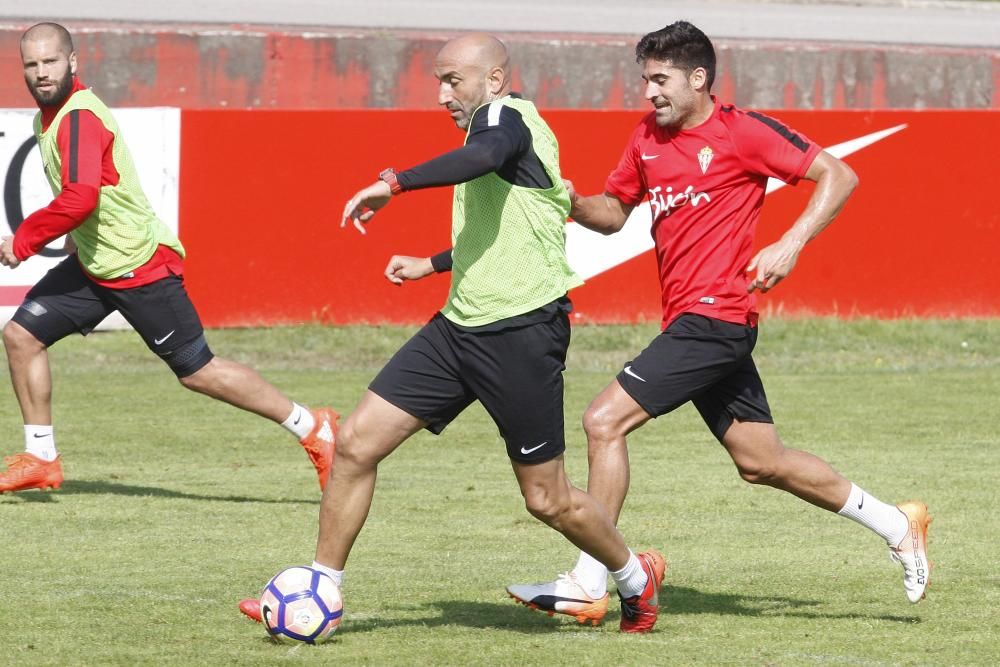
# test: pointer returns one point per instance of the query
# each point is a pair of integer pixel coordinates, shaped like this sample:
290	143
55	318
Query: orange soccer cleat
639	612
250	607
321	442
27	471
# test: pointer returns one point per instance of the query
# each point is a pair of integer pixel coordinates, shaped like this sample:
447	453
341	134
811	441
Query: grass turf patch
176	506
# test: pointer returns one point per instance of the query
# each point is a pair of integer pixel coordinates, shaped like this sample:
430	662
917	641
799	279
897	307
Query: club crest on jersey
664	201
705	156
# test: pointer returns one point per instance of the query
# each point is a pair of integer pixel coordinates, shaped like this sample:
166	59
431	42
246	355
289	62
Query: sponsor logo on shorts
528	451
34	308
629	371
161	341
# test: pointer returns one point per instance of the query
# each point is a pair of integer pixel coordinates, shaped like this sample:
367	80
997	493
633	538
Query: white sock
631	579
336	575
40	441
300	422
885	520
591	574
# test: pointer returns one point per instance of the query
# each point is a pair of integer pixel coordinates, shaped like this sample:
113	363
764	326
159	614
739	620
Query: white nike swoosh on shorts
628	371
160	341
528	451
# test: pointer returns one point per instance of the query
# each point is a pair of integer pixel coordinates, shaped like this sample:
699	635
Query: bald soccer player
122	257
502	335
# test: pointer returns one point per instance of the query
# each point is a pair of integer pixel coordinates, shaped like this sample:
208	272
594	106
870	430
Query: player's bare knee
10	336
599	427
545	505
17	339
191	382
352	450
757	472
201	380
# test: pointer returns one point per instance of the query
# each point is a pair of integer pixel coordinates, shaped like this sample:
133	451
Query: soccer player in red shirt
96	194
704	166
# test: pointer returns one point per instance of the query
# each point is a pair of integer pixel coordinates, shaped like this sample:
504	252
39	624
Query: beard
53	96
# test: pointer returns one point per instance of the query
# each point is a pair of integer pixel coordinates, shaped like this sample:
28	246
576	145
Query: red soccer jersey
705	187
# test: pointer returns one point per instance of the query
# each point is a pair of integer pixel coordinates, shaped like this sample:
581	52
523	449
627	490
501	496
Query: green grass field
175	507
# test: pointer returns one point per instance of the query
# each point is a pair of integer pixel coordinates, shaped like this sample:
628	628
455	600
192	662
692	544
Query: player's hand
573	196
69	245
772	264
403	267
7	256
362	206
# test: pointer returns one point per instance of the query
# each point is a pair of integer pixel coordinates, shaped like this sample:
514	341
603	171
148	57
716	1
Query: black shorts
703	360
515	373
66	301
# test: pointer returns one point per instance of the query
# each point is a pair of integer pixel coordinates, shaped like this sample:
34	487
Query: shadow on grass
677	600
684	600
82	487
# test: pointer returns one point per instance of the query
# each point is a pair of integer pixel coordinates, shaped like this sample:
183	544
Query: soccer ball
301	604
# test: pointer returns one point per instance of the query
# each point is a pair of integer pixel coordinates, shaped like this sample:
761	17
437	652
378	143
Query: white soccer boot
563	596
911	552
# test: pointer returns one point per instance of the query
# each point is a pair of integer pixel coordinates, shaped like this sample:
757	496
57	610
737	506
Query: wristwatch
389	176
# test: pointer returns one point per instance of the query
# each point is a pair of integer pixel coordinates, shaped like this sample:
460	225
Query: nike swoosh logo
528	451
160	341
628	371
40	435
649	157
861	502
298	418
591	253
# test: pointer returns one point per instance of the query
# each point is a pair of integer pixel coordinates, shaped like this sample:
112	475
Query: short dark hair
682	45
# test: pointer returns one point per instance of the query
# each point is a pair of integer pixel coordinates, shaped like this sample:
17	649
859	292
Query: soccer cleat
911	552
639	611
250	608
321	441
562	596
27	471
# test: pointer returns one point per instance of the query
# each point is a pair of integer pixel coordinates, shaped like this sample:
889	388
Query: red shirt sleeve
84	145
769	148
626	182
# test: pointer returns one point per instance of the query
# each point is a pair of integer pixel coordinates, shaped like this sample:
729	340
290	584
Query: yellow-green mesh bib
123	232
509	242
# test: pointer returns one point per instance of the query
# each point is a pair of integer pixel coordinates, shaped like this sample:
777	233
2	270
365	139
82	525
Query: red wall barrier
262	193
216	66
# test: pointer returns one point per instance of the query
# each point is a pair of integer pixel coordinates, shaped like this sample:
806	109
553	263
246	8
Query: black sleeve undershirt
504	147
442	261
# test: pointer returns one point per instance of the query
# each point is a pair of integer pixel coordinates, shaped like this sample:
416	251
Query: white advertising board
152	135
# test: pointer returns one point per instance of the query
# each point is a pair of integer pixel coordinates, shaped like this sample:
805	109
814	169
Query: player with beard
121	257
704	166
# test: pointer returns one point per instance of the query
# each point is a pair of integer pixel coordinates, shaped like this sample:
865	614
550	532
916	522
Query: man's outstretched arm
604	213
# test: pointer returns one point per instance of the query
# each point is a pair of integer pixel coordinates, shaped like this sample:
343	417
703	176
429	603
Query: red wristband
389	176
